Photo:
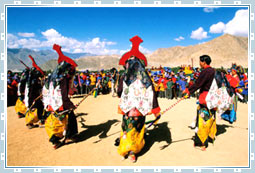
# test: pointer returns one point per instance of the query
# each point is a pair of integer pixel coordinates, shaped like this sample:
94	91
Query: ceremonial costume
20	106
205	121
32	94
137	99
55	97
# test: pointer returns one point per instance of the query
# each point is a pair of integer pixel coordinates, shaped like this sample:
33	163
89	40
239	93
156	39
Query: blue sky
107	30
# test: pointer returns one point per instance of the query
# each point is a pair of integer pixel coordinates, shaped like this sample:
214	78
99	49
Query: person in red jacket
205	121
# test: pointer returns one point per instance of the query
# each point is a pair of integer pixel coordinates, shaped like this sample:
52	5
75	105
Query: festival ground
167	144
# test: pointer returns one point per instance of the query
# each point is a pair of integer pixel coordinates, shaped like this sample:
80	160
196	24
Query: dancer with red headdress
137	99
32	89
55	97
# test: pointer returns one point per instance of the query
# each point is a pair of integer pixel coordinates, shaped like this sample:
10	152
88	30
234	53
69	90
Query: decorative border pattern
3	71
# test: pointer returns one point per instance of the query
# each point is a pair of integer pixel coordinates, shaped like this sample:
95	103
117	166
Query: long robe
138	99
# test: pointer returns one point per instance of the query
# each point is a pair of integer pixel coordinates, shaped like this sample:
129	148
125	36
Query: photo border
122	3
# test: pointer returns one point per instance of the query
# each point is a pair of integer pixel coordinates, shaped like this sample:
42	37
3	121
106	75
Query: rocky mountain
89	62
223	50
41	57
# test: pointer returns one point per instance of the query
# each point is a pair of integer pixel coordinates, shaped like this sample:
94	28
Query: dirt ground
168	144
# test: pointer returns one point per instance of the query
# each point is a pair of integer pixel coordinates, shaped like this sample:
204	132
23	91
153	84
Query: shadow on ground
159	133
99	130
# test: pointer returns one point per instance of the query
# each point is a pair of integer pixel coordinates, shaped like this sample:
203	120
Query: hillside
41	57
90	63
223	50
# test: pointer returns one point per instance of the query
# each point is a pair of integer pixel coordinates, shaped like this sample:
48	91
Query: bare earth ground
169	144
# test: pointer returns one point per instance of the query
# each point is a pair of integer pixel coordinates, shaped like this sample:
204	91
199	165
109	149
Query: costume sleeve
64	85
155	106
199	82
120	86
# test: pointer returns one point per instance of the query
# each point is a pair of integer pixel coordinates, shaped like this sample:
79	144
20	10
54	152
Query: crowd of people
168	84
45	98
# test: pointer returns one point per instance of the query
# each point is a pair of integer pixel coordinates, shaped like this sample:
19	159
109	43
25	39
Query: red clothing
244	77
174	79
14	83
228	76
233	81
84	77
165	82
191	83
203	83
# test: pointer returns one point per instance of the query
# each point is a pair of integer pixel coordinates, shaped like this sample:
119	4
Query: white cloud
144	50
29	43
217	28
96	46
51	33
122	52
209	9
12	41
26	34
68	44
199	34
239	25
179	38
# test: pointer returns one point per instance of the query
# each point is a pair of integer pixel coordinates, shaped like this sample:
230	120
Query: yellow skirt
54	126
31	117
20	107
206	127
131	141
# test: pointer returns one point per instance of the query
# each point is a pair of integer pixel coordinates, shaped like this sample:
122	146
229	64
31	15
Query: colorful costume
230	114
206	120
32	93
55	98
20	106
138	99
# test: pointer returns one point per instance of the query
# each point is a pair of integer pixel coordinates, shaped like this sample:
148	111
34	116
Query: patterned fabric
136	96
54	126
31	78
61	71
20	107
132	135
206	125
137	88
135	69
52	97
218	98
31	117
26	98
23	79
51	91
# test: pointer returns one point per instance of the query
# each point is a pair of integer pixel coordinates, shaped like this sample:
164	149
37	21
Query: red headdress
62	57
35	65
136	40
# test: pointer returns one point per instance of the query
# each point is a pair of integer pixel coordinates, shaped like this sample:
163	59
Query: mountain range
223	50
41	57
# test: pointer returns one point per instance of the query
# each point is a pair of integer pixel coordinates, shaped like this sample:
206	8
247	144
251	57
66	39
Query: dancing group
47	101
